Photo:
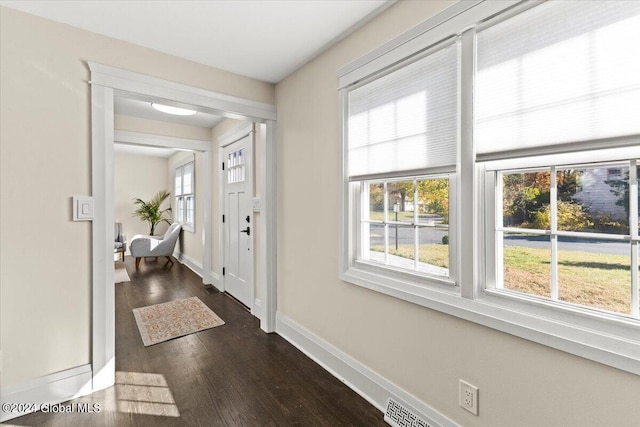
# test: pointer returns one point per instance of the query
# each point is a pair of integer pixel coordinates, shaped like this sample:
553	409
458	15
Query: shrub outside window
562	233
406	225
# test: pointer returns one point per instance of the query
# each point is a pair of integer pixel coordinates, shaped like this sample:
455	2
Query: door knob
248	218
248	231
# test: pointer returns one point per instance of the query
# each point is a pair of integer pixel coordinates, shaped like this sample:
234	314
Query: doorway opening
108	82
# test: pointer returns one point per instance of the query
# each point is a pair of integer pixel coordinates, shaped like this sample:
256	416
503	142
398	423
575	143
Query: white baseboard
215	281
50	389
370	385
257	308
189	262
196	267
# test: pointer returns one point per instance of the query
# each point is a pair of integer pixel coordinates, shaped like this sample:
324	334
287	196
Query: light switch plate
82	208
256	204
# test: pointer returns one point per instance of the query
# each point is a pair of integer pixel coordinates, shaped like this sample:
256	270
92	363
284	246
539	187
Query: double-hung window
185	195
490	170
401	160
565	226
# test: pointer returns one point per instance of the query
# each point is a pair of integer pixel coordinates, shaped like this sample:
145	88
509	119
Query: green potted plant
150	211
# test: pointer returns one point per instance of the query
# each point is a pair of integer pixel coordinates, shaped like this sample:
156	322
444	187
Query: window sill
400	284
188	227
610	340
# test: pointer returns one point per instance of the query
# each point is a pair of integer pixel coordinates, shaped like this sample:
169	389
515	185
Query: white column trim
207	218
268	225
103	288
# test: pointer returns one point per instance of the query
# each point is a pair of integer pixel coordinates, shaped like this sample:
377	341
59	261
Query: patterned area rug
120	274
162	322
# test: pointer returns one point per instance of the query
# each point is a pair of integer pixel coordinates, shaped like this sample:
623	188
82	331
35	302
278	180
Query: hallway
232	375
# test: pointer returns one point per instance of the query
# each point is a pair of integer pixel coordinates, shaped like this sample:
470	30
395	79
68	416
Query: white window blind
561	72
178	182
187	178
405	120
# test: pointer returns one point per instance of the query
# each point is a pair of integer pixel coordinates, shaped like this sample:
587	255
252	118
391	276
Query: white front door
238	225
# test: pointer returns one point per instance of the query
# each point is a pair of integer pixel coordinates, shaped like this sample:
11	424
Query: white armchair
120	240
155	246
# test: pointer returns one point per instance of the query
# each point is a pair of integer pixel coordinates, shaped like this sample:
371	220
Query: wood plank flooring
232	375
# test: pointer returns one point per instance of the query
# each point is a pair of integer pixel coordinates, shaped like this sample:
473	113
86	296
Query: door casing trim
105	80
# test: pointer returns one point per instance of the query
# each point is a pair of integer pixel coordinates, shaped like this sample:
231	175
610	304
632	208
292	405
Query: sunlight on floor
144	394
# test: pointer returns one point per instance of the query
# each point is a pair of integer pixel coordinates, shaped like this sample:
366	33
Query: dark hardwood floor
231	375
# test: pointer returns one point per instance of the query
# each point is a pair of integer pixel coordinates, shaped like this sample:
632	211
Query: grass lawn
402	216
590	279
434	254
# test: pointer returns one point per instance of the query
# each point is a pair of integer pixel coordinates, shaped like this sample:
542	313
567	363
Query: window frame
375	274
404	276
609	339
181	215
492	250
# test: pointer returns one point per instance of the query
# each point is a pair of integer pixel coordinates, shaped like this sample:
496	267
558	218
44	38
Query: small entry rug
162	322
120	275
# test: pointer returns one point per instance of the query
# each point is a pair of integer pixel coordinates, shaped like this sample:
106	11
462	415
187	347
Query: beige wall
137	177
424	352
191	243
45	145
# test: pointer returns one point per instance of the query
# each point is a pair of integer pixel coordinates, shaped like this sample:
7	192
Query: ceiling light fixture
173	110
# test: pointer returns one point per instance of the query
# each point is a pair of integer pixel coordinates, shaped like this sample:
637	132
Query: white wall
45	140
422	351
137	177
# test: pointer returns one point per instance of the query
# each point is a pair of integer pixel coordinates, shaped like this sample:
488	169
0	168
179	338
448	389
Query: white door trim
235	135
177	93
104	80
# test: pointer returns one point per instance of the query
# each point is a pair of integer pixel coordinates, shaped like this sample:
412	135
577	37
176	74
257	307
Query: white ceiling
265	40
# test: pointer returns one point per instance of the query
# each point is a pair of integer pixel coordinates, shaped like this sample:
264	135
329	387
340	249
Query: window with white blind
185	195
564	89
402	134
405	121
490	170
555	83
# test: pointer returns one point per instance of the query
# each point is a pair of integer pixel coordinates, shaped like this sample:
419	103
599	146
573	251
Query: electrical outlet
469	397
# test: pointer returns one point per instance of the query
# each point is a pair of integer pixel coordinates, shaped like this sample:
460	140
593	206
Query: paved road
405	235
430	235
570	244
